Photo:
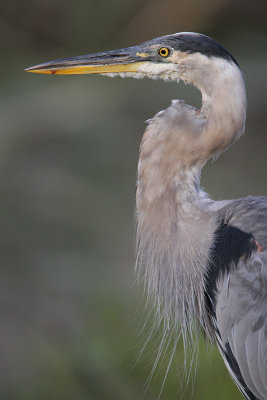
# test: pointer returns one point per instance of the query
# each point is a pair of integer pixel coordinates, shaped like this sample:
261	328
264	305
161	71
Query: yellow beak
115	61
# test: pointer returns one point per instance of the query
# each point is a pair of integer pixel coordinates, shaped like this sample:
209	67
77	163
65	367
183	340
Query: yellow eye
164	52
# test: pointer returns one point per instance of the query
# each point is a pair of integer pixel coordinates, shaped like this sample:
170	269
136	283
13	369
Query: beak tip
29	69
39	70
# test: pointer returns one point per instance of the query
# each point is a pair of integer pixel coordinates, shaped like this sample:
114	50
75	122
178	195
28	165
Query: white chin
136	75
165	71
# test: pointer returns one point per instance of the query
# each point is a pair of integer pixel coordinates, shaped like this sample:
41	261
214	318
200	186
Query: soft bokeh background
70	310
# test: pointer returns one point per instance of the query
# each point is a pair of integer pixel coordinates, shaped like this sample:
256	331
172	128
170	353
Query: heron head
172	57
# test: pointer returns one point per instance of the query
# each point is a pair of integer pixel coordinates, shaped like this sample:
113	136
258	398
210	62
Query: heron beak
114	61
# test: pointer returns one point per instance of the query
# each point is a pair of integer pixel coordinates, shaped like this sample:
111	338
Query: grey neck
175	225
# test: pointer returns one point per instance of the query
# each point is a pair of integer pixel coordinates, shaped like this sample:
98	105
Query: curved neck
179	140
175	225
223	108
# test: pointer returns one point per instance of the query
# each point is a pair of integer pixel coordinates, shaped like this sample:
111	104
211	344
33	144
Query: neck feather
224	106
175	225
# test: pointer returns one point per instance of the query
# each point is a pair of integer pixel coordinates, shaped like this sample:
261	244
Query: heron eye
164	52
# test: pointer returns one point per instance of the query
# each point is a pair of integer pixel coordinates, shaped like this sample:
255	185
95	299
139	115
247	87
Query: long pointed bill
114	61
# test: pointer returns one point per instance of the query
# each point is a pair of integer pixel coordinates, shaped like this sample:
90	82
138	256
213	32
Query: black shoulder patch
230	245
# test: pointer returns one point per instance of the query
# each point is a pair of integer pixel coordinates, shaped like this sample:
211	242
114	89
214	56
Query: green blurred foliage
70	319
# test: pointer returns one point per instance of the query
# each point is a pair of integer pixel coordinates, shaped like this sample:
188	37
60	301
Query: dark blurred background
71	314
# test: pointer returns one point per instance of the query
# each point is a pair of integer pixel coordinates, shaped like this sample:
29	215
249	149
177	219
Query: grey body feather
241	312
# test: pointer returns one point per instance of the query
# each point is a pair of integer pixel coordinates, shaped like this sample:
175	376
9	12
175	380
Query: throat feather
174	236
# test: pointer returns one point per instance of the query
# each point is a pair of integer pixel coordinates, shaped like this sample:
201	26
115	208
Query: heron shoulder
241	229
236	292
248	214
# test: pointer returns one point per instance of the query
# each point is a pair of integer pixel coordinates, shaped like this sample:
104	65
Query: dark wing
237	293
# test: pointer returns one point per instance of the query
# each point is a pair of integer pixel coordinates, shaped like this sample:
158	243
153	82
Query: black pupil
163	52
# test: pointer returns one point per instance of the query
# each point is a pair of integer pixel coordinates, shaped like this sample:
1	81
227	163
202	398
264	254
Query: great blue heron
201	259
